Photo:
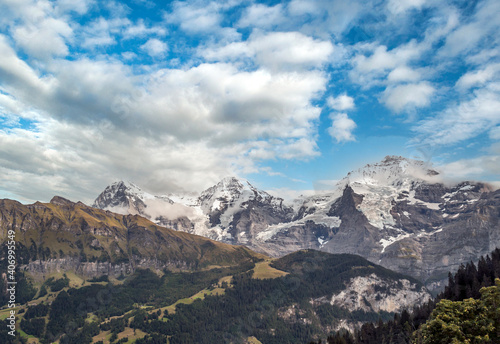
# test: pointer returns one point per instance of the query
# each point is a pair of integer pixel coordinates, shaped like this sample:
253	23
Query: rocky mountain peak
126	198
58	200
115	194
231	182
225	192
227	184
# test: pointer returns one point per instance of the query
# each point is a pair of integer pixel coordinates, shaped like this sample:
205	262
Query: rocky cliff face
397	213
43	268
374	294
348	282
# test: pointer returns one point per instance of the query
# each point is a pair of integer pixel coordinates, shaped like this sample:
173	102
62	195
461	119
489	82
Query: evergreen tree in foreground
471	321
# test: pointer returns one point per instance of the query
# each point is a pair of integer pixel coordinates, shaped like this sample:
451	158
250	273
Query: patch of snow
415	201
328	221
322	241
377	203
319	219
424	233
466	188
391	240
433	206
215	205
272	230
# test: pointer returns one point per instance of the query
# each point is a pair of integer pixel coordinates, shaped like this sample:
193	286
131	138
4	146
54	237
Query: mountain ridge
63	235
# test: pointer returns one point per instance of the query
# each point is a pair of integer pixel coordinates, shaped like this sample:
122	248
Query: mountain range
398	213
95	271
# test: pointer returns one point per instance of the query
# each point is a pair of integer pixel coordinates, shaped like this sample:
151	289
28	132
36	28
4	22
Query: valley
273	301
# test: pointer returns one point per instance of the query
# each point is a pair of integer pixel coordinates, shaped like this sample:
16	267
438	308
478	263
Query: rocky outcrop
374	294
43	268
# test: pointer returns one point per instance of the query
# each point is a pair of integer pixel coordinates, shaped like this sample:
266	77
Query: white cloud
302	148
203	18
41	28
79	6
289	195
471	169
282	49
262	16
408	96
276	51
464	38
45	38
342	127
128	55
373	63
495	133
141	30
18	77
229	52
154	47
301	7
483	56
464	121
10	106
106	31
467	37
404	74
341	103
379	60
192	125
325	185
217	98
401	6
478	78
101	32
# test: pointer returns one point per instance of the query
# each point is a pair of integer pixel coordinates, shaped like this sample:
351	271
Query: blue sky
290	95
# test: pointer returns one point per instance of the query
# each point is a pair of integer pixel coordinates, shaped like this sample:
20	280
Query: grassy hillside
321	266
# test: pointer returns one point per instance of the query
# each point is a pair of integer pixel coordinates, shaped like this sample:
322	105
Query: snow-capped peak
226	193
233	195
382	182
125	197
392	171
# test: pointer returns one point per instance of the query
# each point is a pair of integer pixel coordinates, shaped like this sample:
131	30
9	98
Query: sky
291	95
